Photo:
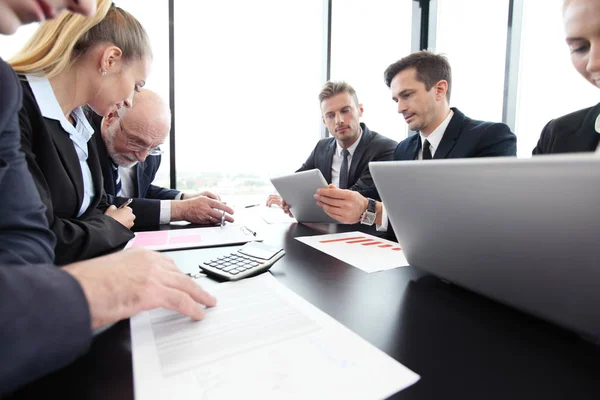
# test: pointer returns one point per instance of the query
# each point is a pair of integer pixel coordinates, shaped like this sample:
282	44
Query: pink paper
185	239
151	239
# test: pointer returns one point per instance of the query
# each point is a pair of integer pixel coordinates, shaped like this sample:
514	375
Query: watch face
368	218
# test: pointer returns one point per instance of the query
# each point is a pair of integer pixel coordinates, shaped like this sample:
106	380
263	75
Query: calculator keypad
234	263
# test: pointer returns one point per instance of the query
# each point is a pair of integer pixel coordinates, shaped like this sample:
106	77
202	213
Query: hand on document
120	285
200	210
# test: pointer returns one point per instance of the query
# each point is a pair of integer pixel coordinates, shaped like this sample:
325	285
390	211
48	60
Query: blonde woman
70	62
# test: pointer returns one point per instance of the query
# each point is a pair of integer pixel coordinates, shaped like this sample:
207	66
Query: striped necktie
118	186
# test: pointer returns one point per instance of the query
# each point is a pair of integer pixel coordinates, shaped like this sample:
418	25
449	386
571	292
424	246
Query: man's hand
277	200
122	284
274	199
123	215
200	210
342	204
206	193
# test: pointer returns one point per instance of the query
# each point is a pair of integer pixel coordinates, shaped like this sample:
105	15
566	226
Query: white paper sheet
260	342
194	237
367	252
275	215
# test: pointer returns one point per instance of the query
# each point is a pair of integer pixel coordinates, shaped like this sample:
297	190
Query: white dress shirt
597	127
434	139
336	163
79	134
128	189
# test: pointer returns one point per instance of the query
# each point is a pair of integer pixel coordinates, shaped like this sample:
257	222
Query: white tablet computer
298	190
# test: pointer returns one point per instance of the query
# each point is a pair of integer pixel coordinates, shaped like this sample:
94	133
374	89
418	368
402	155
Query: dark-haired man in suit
129	152
344	158
421	85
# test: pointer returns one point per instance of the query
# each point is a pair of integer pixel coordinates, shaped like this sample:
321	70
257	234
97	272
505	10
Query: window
472	34
10	45
155	21
549	86
367	36
246	93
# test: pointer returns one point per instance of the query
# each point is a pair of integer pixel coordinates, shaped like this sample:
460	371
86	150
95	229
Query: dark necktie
118	186
426	150
344	170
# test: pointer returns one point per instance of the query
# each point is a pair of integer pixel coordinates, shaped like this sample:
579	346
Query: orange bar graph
341	240
364	241
359	241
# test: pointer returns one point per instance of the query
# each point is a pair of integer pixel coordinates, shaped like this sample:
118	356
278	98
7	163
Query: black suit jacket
55	167
571	133
371	147
465	138
146	204
44	316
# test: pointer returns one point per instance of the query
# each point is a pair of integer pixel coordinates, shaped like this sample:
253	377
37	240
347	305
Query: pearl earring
102	72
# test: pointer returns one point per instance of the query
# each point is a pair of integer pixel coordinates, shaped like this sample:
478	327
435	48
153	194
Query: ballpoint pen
223	218
252	205
127	202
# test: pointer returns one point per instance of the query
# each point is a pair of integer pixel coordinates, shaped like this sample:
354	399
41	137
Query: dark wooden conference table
463	345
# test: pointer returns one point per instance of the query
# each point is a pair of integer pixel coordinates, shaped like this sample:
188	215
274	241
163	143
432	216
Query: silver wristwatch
368	217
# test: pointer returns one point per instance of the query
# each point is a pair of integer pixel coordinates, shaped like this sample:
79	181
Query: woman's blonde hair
57	44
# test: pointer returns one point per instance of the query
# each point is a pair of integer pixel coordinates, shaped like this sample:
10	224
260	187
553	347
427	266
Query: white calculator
251	259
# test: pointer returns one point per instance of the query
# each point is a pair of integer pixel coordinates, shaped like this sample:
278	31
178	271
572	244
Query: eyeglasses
151	151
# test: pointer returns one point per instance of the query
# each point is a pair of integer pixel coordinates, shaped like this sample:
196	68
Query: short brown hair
333	88
430	68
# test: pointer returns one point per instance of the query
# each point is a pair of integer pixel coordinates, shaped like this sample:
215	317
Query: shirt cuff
179	196
384	220
165	211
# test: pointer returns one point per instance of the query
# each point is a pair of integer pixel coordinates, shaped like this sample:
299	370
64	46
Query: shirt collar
597	124
50	108
436	136
338	148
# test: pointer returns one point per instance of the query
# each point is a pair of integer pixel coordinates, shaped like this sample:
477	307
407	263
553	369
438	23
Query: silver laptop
525	232
298	191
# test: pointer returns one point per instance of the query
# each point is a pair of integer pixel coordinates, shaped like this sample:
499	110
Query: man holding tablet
344	158
421	83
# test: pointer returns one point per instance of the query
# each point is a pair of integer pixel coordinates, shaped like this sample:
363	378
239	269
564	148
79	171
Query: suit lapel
96	170
329	160
450	135
358	154
586	137
108	171
415	146
140	173
66	151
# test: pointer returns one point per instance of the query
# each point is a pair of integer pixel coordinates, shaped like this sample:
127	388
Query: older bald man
128	144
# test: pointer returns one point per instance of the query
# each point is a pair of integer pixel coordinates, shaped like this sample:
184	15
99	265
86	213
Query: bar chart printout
363	251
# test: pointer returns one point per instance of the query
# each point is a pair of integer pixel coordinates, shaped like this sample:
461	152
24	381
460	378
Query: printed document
261	341
367	252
